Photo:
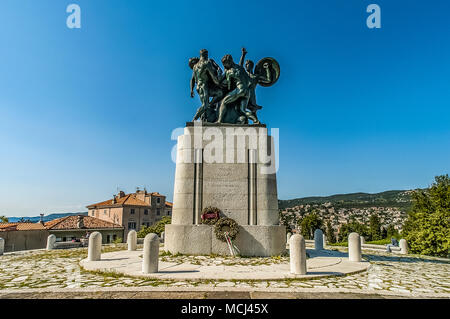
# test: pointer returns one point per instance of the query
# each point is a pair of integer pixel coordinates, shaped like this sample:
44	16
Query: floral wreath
210	215
232	233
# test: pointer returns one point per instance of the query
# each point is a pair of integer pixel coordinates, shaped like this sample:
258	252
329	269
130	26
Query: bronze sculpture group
229	96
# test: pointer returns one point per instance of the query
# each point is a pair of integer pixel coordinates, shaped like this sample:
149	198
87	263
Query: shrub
119	240
156	228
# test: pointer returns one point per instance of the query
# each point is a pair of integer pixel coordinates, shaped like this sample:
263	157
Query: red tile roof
21	226
127	200
71	222
169	204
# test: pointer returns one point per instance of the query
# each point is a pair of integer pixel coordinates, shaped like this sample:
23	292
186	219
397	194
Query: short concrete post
354	247
318	239
363	240
2	246
297	254
132	240
51	240
288	237
403	244
151	254
324	240
163	234
95	246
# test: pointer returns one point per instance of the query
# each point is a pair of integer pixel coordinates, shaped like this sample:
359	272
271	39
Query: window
104	212
145	211
131	225
132	211
158	200
93	213
158	212
168	212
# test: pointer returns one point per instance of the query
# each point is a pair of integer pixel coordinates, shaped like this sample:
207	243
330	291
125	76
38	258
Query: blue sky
83	111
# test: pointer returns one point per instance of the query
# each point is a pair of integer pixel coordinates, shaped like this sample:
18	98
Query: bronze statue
206	75
230	97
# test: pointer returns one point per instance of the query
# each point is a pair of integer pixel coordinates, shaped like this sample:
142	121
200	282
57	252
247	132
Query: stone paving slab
129	263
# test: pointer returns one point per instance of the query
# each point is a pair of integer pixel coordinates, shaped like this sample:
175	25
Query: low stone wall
379	247
24	239
67	245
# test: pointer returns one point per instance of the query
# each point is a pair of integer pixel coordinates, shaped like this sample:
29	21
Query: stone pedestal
231	167
51	240
132	240
318	239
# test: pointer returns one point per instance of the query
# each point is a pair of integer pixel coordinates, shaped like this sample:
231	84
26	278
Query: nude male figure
205	75
236	73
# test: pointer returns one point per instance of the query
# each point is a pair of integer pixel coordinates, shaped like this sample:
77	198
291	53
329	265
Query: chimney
80	222
42	219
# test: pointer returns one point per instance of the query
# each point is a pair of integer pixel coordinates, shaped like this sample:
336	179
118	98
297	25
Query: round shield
274	71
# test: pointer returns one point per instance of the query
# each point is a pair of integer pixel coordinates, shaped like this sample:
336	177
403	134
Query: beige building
132	211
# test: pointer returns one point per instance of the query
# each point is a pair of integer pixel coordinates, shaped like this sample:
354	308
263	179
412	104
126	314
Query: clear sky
84	111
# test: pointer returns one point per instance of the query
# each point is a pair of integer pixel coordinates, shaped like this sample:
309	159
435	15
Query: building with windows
133	210
75	227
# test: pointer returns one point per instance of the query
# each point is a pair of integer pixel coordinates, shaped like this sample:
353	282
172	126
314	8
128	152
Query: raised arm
244	53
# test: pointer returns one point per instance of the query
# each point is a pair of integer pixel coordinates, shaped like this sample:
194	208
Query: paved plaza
324	263
56	270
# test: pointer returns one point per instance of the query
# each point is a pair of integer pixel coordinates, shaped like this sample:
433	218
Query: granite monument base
201	240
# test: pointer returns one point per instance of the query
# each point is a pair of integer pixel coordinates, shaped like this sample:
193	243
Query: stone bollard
403	244
324	240
354	247
95	246
151	254
297	254
2	246
132	240
51	240
288	237
363	240
318	239
163	234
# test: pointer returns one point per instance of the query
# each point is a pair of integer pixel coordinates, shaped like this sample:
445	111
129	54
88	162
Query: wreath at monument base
230	223
210	215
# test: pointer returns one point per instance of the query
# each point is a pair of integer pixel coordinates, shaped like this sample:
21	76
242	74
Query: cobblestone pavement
60	269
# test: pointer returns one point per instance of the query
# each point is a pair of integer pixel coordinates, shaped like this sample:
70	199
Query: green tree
427	228
374	227
309	224
330	233
156	228
352	227
285	220
392	232
4	219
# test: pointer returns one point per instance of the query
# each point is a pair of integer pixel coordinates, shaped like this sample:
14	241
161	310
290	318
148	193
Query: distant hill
394	198
47	218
